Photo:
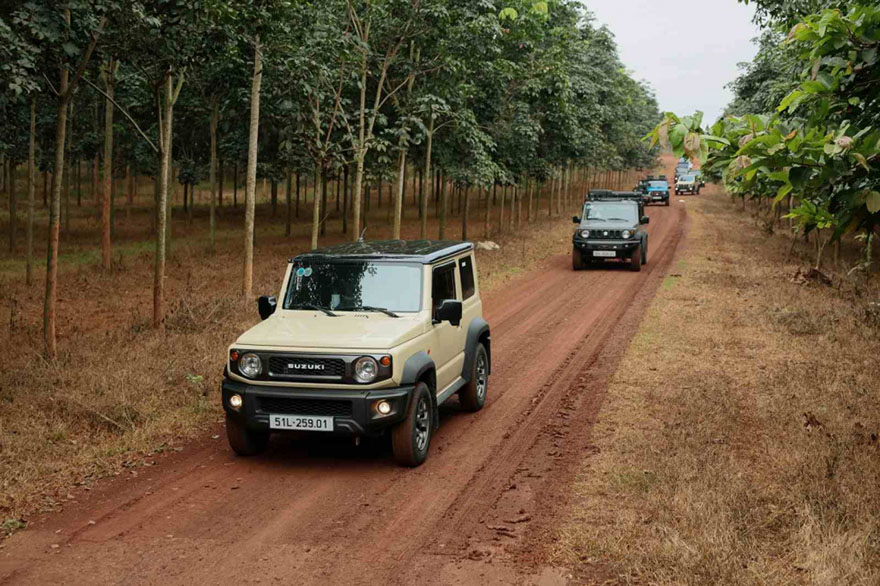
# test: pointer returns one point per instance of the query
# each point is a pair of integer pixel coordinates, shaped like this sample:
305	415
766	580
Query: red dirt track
309	511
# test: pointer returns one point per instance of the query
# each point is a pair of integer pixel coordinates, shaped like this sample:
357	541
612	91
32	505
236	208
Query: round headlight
585	233
626	234
365	369
250	365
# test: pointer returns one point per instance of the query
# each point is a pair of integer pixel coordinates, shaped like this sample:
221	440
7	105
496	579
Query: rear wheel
635	261
577	259
473	395
244	441
411	437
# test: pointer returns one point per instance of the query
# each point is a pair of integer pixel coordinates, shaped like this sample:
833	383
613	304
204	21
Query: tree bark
423	228
13	206
109	85
32	179
297	195
66	171
444	206
235	185
398	198
250	194
212	212
287	196
345	200
161	205
316	206
466	197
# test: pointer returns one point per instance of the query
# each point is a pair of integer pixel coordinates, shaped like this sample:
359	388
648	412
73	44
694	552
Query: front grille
288	406
605	234
296	366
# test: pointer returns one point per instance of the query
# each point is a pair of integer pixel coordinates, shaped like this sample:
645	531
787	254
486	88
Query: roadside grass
738	441
119	393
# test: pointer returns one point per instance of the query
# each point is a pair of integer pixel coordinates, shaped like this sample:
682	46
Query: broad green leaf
872	202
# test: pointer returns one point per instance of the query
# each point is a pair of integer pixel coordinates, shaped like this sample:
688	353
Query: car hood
307	329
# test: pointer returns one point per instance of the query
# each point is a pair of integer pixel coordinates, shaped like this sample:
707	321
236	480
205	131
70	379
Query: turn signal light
233	355
385	361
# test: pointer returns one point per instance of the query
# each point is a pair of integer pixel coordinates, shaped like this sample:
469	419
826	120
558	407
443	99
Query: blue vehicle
657	192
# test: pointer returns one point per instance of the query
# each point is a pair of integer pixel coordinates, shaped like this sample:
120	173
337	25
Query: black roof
422	251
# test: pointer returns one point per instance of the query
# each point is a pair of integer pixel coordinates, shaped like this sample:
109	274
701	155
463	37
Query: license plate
301	422
605	253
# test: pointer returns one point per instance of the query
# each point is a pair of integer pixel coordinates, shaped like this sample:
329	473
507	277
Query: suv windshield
658	185
352	285
603	211
686	178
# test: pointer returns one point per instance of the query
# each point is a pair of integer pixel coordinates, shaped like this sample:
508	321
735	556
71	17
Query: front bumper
621	248
657	196
352	409
686	189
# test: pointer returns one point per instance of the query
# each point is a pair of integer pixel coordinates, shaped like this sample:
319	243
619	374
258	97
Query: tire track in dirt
316	510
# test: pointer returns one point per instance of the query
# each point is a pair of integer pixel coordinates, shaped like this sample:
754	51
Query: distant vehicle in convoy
611	195
682	168
657	192
687	184
369	338
610	229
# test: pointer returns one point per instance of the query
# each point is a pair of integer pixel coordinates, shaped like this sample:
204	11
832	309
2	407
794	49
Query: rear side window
466	269
443	286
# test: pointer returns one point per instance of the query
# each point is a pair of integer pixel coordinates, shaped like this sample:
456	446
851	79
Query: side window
443	286
466	269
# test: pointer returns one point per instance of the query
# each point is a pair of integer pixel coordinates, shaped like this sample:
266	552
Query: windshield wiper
591	219
313	306
619	219
387	312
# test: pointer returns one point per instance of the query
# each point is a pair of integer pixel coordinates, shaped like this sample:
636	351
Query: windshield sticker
300	272
307	272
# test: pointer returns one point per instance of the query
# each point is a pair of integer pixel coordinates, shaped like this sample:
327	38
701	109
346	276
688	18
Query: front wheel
644	248
244	441
577	260
635	261
411	437
473	395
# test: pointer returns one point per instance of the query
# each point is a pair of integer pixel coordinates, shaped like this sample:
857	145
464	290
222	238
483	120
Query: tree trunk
32	179
297	195
66	174
251	189
423	228
398	198
464	211
212	175
54	212
488	213
13	206
501	209
316	207
444	206
161	206
274	191
287	198
109	85
235	185
220	177
345	200
324	201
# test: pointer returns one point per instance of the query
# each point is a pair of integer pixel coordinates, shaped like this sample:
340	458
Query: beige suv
369	338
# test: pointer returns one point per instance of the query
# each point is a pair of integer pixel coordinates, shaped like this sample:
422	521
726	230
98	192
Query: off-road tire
577	260
244	441
473	395
644	248
411	438
666	203
635	261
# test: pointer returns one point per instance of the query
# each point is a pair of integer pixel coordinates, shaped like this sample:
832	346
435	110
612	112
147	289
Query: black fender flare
477	329
414	369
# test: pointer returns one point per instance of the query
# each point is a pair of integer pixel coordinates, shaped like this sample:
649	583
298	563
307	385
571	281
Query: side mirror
645	219
576	219
449	310
266	305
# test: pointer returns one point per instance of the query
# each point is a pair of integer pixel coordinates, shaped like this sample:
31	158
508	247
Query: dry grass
118	393
738	442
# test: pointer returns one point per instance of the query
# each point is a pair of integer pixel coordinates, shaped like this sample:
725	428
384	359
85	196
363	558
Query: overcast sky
686	51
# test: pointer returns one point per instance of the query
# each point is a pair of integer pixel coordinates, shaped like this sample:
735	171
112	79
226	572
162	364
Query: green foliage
821	144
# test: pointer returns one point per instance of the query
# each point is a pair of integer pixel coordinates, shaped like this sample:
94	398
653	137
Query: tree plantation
337	114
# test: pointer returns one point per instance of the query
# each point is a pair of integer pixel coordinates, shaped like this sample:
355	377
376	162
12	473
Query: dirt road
309	512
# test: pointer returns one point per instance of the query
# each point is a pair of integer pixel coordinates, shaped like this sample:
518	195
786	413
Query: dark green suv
610	230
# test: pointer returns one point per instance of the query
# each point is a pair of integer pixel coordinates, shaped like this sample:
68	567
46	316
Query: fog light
235	401
383	407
